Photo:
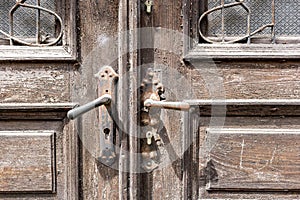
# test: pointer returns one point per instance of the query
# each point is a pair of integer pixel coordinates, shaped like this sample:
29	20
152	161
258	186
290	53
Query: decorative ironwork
230	21
25	19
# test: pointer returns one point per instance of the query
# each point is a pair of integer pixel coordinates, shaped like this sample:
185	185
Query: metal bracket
107	93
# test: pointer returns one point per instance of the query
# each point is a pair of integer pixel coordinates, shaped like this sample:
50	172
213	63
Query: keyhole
106	132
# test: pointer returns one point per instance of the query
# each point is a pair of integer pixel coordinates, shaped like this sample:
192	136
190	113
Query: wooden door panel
248	80
250	157
255	159
34	83
27	161
38	152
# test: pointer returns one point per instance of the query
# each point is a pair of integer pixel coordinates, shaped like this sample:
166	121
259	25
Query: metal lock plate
151	88
107	83
152	101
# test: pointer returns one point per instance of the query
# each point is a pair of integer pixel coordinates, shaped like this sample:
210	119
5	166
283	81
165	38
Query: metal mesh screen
287	18
25	18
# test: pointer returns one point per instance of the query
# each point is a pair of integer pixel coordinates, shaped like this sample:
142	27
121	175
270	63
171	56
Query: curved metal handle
167	105
76	112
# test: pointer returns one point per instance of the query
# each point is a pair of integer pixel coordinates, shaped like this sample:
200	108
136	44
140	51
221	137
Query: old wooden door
38	144
237	140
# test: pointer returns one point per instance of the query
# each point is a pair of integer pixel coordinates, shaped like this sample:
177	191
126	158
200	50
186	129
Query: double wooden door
239	138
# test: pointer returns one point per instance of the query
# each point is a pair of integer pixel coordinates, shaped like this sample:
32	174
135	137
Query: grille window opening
36	24
251	21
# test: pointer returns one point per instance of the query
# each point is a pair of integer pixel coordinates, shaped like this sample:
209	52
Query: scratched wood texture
45	80
255	159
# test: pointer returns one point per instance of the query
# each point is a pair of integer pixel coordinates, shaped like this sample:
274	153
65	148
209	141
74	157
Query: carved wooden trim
248	107
243	51
190	160
253	102
22	53
29	118
250	131
35	111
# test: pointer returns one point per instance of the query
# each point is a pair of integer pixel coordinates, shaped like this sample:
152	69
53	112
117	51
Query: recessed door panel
27	161
255	159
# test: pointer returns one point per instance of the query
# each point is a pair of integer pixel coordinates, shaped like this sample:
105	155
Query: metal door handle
76	112
166	105
107	93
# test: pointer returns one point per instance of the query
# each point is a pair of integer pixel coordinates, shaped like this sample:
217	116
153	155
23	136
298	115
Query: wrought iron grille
230	21
30	22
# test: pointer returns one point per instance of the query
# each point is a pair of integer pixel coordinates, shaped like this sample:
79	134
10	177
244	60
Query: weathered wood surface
98	24
27	161
46	80
246	80
130	99
255	159
166	182
34	83
61	82
32	53
240	79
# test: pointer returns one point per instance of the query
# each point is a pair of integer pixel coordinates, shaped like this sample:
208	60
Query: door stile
123	100
132	75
